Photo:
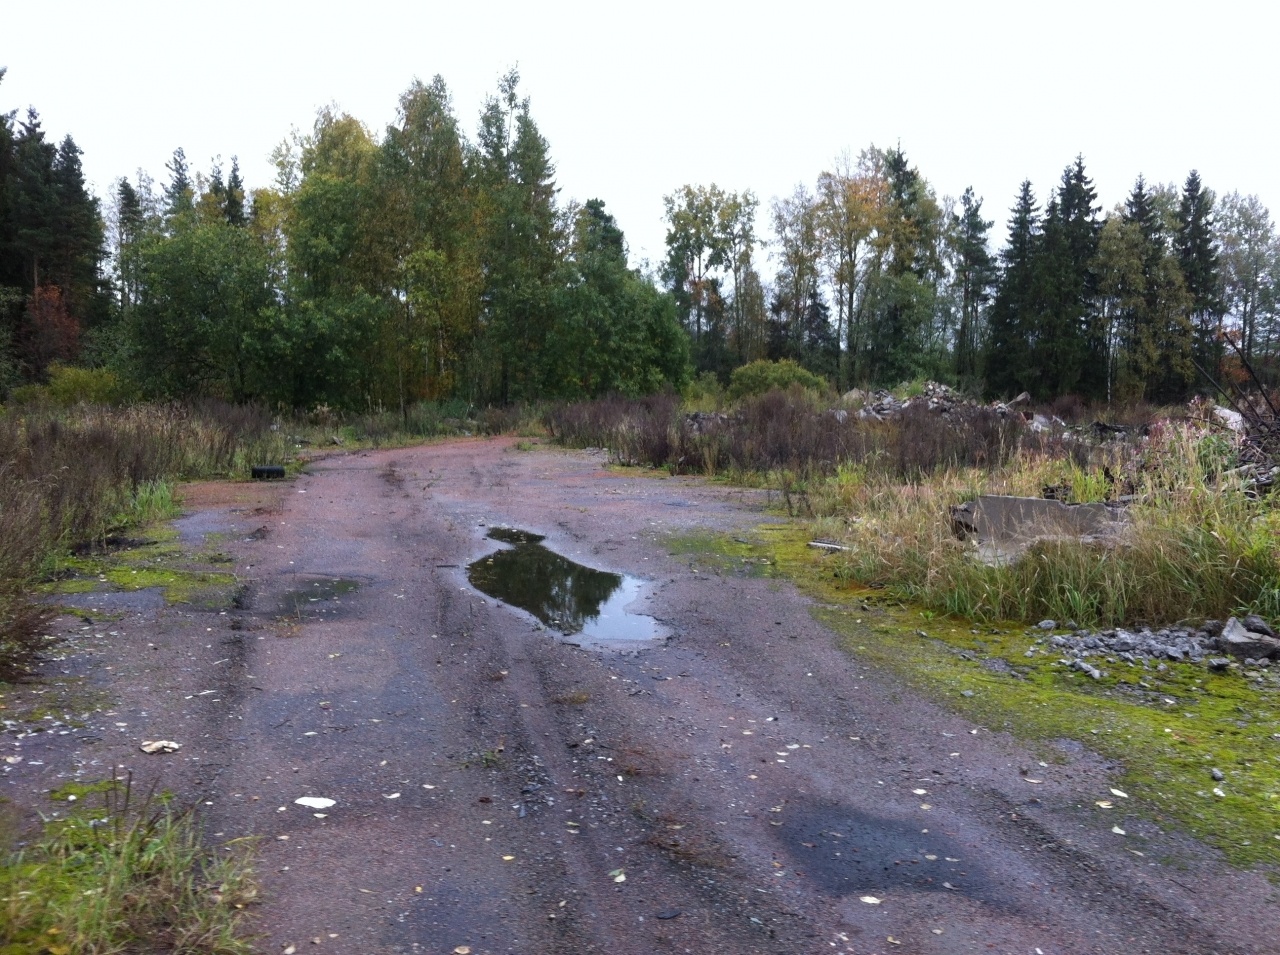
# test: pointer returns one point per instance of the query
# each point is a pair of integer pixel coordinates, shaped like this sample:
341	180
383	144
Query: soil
760	789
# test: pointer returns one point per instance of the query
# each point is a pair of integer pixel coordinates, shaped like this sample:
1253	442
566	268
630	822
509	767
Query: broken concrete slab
997	517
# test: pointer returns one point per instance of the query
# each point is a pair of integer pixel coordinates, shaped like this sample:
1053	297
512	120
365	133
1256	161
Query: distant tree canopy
380	270
879	281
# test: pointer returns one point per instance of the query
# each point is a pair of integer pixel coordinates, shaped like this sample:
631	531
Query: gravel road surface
738	785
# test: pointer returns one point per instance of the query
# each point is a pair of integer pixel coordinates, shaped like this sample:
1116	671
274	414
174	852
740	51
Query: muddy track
751	781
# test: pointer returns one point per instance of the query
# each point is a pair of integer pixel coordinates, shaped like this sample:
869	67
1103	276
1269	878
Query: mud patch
563	594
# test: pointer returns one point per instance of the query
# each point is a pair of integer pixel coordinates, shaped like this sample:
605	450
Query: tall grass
784	433
1197	544
74	476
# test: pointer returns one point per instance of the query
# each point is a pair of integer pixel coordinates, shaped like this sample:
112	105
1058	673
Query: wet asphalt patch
847	852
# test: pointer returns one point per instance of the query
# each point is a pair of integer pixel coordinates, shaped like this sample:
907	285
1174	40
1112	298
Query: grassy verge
120	874
1168	727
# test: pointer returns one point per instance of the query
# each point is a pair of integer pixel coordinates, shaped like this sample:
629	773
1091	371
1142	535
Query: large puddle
564	595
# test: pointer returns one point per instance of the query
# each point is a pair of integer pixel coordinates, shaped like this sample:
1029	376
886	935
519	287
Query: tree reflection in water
562	594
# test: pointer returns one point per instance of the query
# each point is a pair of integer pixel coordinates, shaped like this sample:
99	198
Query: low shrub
761	376
69	385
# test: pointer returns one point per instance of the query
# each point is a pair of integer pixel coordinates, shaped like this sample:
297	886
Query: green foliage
69	385
704	393
760	377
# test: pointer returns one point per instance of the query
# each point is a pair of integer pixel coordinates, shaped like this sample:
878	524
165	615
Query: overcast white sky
638	99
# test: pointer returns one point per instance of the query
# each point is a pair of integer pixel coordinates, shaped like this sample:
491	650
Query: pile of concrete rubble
943	400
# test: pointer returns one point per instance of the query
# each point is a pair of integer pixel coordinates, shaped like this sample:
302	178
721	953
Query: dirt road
740	787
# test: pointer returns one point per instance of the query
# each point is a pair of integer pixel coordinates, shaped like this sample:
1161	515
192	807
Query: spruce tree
1066	357
233	198
975	275
1007	359
1157	334
179	193
1198	258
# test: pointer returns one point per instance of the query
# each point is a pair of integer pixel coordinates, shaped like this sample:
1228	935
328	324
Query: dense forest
421	264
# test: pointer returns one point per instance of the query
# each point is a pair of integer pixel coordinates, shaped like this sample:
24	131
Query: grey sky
638	99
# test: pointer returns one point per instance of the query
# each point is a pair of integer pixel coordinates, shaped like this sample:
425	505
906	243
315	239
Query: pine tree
1007	361
975	274
233	202
1198	258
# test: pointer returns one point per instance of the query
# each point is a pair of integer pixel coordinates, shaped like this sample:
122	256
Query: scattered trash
618	875
828	545
871	900
315	802
160	746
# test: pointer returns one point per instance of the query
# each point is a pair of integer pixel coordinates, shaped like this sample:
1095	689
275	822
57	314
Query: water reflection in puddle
564	595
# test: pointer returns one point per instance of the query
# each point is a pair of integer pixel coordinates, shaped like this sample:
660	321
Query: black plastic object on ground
267	472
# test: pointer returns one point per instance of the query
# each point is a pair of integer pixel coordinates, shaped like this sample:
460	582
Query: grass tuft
120	874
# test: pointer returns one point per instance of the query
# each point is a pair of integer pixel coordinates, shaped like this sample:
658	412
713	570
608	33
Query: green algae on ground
1168	727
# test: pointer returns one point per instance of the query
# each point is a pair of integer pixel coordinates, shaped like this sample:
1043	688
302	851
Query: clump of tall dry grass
72	476
1198	544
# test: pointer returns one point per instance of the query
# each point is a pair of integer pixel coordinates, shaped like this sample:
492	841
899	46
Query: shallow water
562	593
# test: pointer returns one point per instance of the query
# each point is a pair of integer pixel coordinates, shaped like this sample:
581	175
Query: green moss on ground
1168	728
161	562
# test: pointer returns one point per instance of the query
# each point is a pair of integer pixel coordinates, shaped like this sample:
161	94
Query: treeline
880	281
420	264
374	272
51	250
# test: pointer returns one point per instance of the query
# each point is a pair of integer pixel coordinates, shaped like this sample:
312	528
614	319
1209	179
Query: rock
1238	640
1083	667
1219	663
1048	625
1217	774
1255	624
1233	420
